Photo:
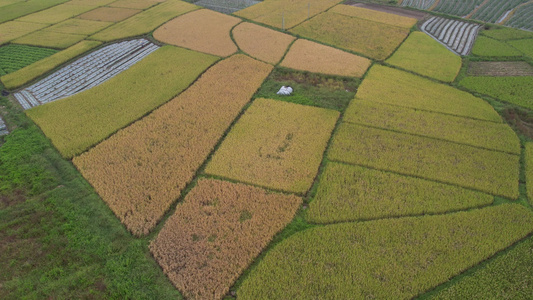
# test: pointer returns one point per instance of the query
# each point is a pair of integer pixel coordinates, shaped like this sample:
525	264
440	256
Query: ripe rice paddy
57	13
15	29
50	39
309	56
202	30
374	15
79	26
109	14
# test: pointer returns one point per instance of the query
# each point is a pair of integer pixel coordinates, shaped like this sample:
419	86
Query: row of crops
15	57
514	13
235	194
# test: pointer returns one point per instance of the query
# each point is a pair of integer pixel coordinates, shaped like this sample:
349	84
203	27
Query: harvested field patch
14	29
57	13
135	4
260	42
275	144
85	73
384	259
78	122
372	39
216	233
419	15
374	15
40	67
515	89
507	276
484	170
485	46
483	134
423	55
309	56
153	159
77	26
15	57
352	193
294	12
202	30
22	8
390	86
499	68
145	21
50	39
525	46
458	36
505	34
109	14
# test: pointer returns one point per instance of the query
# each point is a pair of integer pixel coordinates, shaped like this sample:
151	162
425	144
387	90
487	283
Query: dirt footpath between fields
391	10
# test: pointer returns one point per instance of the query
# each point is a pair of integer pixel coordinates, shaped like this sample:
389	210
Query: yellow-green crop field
384	259
217	232
145	21
374	15
353	193
309	56
369	38
203	30
275	144
423	55
483	134
285	14
484	170
157	156
394	170
78	122
391	86
260	42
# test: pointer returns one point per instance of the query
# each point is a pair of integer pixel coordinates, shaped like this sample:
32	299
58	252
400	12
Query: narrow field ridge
86	72
457	36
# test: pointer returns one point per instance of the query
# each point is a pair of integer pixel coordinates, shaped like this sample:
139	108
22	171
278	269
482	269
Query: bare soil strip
500	68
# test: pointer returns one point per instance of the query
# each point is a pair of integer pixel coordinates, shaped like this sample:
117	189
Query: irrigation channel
86	72
458	36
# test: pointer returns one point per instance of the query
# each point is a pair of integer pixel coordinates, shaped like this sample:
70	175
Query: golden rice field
57	13
216	233
293	12
423	55
275	144
309	56
89	2
79	26
135	4
154	158
348	193
15	29
369	38
109	14
483	134
81	121
260	42
202	30
395	87
29	73
483	170
146	21
374	15
50	39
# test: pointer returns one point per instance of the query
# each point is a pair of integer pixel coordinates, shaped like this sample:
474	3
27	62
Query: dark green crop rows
14	57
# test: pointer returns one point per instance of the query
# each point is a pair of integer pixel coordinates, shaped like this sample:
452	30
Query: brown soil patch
109	14
520	120
500	68
391	10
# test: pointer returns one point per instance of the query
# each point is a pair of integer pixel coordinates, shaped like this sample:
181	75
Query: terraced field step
86	72
457	36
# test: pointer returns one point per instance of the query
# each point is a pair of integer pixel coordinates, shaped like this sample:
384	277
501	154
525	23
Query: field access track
86	72
456	35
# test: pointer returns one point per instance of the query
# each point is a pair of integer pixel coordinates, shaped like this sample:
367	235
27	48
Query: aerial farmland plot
145	152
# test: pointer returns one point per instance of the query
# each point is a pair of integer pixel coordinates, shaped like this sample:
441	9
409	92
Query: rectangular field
15	10
15	29
109	14
135	4
483	134
485	46
512	89
290	13
423	55
15	57
50	39
374	15
27	74
78	122
484	170
372	39
57	13
275	144
351	193
525	46
145	21
151	161
216	233
391	86
79	26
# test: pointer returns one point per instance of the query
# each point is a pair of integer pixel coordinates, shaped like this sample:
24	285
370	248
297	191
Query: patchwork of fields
392	169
